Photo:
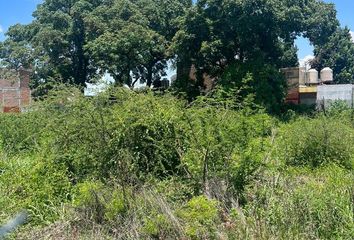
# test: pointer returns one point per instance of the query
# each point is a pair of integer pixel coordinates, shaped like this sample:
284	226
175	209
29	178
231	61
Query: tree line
77	41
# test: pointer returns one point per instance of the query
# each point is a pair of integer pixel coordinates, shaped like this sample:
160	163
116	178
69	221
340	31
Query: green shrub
200	216
304	204
115	206
20	132
224	144
27	183
98	138
154	224
316	142
176	190
90	198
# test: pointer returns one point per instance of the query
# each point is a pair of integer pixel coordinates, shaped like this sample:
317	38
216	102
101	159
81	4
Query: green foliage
223	144
264	82
139	211
77	41
200	216
175	189
133	47
317	142
97	202
38	187
14	51
20	133
299	202
54	42
146	166
126	44
258	38
84	193
339	109
152	166
337	53
153	226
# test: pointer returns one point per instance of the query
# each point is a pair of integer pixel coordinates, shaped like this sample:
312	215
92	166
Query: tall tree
61	37
54	42
216	35
132	38
15	51
338	54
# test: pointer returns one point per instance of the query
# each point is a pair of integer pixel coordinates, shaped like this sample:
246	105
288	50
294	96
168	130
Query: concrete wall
327	94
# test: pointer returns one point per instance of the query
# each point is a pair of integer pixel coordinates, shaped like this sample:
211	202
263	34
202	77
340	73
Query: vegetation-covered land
132	165
227	161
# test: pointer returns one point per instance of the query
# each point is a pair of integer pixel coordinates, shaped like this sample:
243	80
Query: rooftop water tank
327	75
312	76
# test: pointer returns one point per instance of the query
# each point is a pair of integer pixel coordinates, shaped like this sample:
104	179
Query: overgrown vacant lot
129	165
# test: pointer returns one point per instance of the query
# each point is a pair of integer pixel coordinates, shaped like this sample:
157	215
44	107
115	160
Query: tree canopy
77	41
338	54
229	39
130	39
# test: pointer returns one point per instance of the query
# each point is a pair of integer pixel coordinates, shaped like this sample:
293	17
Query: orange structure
302	85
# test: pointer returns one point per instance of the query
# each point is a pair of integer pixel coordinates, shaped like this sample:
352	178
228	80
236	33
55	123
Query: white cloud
352	33
305	62
1	29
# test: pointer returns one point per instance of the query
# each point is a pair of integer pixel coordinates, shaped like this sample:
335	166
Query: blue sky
345	14
20	11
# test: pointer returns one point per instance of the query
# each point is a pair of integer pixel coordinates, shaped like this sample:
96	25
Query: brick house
15	93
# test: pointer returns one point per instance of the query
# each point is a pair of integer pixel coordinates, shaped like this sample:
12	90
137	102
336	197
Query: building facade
310	87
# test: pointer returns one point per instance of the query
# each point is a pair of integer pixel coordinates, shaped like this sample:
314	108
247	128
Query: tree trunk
79	59
149	76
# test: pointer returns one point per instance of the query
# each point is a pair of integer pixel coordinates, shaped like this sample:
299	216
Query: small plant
314	204
201	217
116	205
153	225
89	198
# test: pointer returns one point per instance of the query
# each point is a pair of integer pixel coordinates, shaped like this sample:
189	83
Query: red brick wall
293	96
15	94
24	78
6	83
11	98
25	96
11	110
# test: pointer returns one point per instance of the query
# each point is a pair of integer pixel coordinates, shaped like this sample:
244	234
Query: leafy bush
299	202
27	183
264	81
90	198
20	132
316	142
200	216
120	137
